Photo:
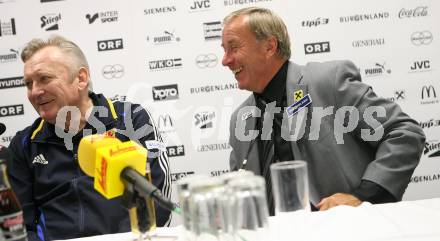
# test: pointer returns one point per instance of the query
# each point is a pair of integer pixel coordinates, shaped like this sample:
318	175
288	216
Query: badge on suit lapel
297	95
246	115
298	104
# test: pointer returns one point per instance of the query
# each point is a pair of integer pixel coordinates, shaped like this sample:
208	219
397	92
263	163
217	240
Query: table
403	221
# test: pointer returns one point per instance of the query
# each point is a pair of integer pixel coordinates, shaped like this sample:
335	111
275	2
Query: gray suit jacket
388	161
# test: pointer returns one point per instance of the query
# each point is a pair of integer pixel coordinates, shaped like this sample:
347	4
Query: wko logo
166	37
105	17
165	64
9	56
174	151
206	61
177	176
428	95
421	11
200	5
165	92
212	30
49	22
110	44
7	27
11	110
420	66
204	119
11	82
315	48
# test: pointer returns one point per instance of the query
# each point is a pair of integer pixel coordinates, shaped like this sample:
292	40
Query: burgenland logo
166	37
165	92
7	27
177	176
113	71
105	17
212	30
315	48
316	22
206	61
420	66
174	151
9	56
165	124
364	17
242	2
398	95
160	10
421	11
12	82
213	88
428	95
379	69
432	149
110	44
213	147
204	119
200	5
11	110
429	124
421	38
165	64
50	21
425	178
368	42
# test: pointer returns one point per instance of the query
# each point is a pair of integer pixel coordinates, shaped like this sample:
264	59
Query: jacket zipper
81	208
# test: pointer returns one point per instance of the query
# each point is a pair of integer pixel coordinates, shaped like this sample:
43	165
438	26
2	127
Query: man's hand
338	199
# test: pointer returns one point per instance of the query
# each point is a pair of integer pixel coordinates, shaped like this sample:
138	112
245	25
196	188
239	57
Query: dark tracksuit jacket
58	199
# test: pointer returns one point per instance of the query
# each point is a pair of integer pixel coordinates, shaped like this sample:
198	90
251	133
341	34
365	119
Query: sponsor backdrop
167	56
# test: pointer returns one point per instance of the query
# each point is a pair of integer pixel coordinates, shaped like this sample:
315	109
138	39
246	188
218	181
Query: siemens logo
11	110
11	82
152	11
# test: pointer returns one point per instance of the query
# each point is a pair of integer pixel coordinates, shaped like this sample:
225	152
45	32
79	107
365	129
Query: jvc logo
165	64
315	48
111	44
173	151
421	66
165	92
200	5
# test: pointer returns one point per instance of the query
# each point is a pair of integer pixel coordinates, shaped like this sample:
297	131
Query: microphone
2	128
112	162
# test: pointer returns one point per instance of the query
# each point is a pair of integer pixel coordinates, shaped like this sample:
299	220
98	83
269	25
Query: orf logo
315	48
428	92
111	44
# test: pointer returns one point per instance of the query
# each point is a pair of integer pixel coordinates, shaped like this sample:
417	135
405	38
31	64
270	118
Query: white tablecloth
403	221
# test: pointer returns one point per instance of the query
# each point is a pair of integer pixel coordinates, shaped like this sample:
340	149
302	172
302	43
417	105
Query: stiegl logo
49	22
204	120
432	149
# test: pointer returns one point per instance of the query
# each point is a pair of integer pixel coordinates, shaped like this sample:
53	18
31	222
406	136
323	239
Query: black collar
276	89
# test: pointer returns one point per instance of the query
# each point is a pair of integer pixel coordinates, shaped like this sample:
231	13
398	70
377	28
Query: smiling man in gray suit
358	146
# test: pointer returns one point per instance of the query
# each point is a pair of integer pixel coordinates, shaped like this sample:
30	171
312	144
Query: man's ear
83	78
271	46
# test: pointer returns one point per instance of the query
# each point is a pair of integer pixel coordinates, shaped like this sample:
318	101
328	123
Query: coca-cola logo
421	11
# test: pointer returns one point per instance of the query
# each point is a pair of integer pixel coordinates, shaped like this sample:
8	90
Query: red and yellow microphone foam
104	158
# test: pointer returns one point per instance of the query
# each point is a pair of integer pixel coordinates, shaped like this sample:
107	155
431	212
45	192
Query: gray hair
75	57
264	23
